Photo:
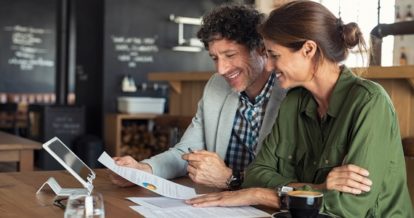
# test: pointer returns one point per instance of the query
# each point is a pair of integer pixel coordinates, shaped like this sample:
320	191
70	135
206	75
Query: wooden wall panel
411	118
197	93
174	103
401	95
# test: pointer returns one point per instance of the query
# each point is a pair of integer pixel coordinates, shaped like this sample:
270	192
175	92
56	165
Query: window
365	14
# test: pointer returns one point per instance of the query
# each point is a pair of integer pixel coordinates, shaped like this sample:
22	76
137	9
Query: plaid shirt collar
246	127
263	95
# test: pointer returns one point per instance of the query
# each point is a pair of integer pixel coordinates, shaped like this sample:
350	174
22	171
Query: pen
189	150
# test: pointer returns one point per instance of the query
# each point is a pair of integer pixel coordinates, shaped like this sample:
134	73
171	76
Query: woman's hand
349	179
243	197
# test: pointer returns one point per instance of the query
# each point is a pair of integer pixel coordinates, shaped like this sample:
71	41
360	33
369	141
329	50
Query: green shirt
359	128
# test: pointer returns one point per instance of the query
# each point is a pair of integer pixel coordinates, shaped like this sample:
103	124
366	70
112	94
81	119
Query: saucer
286	214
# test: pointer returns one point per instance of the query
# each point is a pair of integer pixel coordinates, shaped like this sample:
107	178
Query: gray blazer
211	127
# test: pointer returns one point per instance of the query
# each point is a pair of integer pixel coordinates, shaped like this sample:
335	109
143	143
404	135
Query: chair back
408	147
8	117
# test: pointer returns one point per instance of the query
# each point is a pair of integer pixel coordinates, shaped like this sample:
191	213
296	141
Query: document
167	207
159	202
219	212
146	180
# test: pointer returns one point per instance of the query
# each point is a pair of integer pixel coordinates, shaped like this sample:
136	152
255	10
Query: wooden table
18	194
17	149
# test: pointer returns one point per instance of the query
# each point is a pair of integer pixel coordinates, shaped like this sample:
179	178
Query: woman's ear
309	48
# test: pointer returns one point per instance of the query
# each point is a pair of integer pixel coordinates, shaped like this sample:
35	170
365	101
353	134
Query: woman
336	133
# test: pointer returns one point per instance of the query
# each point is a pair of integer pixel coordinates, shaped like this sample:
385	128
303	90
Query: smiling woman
335	144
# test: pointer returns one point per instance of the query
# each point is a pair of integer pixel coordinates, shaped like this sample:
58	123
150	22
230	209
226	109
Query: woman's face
293	68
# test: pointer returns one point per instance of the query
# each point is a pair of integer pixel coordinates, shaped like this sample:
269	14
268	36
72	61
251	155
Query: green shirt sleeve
375	146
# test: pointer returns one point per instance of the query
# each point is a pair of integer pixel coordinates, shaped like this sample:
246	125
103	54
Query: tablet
70	162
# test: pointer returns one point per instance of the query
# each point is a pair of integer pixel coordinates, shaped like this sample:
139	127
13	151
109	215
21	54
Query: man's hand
207	168
348	178
127	161
243	197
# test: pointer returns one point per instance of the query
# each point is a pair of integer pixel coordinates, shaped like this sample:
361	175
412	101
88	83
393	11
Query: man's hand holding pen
207	168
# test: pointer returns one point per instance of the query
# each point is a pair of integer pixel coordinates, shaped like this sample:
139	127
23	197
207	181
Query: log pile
140	142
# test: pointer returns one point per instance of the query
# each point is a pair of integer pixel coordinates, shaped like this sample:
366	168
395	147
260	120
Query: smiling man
238	108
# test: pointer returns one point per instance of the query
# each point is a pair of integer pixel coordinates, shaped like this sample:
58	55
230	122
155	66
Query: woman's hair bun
351	34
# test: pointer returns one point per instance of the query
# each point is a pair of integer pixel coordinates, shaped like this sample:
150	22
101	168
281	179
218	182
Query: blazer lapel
272	111
225	124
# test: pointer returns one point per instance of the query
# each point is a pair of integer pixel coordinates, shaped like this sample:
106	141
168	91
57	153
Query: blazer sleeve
169	164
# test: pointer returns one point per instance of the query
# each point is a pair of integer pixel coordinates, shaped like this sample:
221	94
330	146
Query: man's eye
230	55
273	56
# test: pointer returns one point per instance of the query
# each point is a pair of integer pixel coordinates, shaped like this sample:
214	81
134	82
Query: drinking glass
85	206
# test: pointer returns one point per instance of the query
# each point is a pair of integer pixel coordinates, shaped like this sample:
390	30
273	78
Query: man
238	108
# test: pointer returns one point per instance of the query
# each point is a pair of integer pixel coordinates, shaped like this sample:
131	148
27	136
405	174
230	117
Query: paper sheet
158	202
146	180
220	212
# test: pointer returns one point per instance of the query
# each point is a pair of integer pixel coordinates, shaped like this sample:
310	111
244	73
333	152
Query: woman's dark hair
295	22
233	22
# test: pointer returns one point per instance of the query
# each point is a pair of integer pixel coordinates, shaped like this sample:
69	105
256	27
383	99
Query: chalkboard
138	39
27	42
65	122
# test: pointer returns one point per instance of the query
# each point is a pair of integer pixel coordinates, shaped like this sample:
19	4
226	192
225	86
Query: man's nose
270	66
222	67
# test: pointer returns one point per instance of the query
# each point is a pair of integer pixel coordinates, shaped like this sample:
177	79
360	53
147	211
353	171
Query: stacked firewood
140	142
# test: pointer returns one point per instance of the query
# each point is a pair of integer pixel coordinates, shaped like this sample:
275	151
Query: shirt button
290	157
326	161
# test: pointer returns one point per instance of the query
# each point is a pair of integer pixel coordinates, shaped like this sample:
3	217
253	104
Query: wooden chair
408	147
8	118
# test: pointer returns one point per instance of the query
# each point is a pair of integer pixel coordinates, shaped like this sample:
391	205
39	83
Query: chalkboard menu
27	42
139	37
66	122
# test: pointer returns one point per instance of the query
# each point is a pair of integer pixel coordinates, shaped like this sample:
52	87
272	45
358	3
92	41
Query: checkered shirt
246	127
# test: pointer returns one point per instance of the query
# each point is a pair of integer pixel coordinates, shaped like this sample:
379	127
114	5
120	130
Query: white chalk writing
134	50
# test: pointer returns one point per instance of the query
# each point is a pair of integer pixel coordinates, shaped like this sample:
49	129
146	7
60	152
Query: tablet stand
73	164
63	192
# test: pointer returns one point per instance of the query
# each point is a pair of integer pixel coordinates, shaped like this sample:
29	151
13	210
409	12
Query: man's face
237	64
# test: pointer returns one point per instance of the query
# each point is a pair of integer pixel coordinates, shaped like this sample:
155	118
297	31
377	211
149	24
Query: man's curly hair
233	22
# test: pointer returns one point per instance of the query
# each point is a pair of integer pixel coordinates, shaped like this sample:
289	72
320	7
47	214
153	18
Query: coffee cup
304	204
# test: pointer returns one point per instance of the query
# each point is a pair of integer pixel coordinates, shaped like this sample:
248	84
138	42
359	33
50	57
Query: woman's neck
323	85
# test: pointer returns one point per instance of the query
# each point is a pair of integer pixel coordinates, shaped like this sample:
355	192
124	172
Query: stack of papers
172	204
167	207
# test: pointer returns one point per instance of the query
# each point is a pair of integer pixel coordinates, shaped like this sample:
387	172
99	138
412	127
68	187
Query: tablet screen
69	160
